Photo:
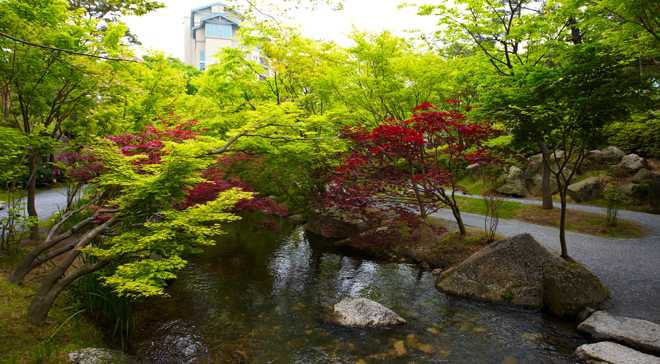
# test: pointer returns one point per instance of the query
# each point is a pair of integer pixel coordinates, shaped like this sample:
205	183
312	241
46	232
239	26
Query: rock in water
333	222
100	356
508	271
569	288
610	353
296	219
364	312
639	334
520	271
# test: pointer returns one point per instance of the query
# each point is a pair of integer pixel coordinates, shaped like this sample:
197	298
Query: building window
202	60
218	30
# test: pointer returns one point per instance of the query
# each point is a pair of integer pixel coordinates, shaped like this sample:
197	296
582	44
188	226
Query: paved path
630	268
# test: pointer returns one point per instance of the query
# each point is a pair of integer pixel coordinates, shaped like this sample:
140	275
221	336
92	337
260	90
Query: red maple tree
410	164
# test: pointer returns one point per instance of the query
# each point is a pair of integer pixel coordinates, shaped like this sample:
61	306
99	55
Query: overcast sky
163	29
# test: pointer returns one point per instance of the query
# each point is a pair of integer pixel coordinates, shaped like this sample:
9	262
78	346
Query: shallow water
268	299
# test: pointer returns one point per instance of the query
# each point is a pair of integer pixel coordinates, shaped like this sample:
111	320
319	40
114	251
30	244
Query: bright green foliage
154	193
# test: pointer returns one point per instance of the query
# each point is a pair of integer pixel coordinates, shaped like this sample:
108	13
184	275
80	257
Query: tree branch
64	50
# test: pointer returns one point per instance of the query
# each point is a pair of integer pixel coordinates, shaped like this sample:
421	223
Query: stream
258	297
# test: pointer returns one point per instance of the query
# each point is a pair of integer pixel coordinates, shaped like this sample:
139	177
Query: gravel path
630	268
47	203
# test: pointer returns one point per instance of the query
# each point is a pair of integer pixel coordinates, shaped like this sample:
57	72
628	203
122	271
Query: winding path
630	268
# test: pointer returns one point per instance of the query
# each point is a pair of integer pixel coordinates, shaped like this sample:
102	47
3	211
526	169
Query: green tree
570	106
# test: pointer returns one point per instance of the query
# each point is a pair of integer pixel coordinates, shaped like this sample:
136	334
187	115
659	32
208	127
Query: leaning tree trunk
34	258
58	279
545	182
459	219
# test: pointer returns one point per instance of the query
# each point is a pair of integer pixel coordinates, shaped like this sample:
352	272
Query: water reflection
261	298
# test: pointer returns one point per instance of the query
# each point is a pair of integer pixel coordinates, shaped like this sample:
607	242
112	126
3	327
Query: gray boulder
364	312
514	185
643	176
611	353
654	194
586	190
296	219
508	271
608	155
100	356
533	174
627	189
633	163
333	222
474	170
520	271
569	289
2	205
638	334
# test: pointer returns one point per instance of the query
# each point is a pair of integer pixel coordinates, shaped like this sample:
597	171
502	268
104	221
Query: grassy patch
454	248
508	210
580	222
21	342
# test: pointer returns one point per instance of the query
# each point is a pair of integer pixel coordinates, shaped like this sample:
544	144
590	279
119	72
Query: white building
208	29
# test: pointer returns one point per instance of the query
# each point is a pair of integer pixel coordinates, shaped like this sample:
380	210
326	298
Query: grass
581	222
21	342
454	248
508	210
577	221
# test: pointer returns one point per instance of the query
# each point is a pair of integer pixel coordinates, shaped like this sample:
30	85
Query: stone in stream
100	356
333	222
638	334
514	270
296	219
612	353
569	289
364	312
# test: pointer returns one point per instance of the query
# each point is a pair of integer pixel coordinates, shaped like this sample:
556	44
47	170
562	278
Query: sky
163	29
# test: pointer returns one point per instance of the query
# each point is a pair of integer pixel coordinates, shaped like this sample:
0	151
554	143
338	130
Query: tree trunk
562	222
420	202
459	219
41	305
28	263
547	192
56	281
31	209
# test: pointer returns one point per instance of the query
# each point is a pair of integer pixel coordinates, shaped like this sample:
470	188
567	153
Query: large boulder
611	353
514	185
639	334
296	219
533	174
474	170
643	176
608	155
509	271
520	271
364	312
633	163
569	288
2	205
586	190
654	194
333	222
